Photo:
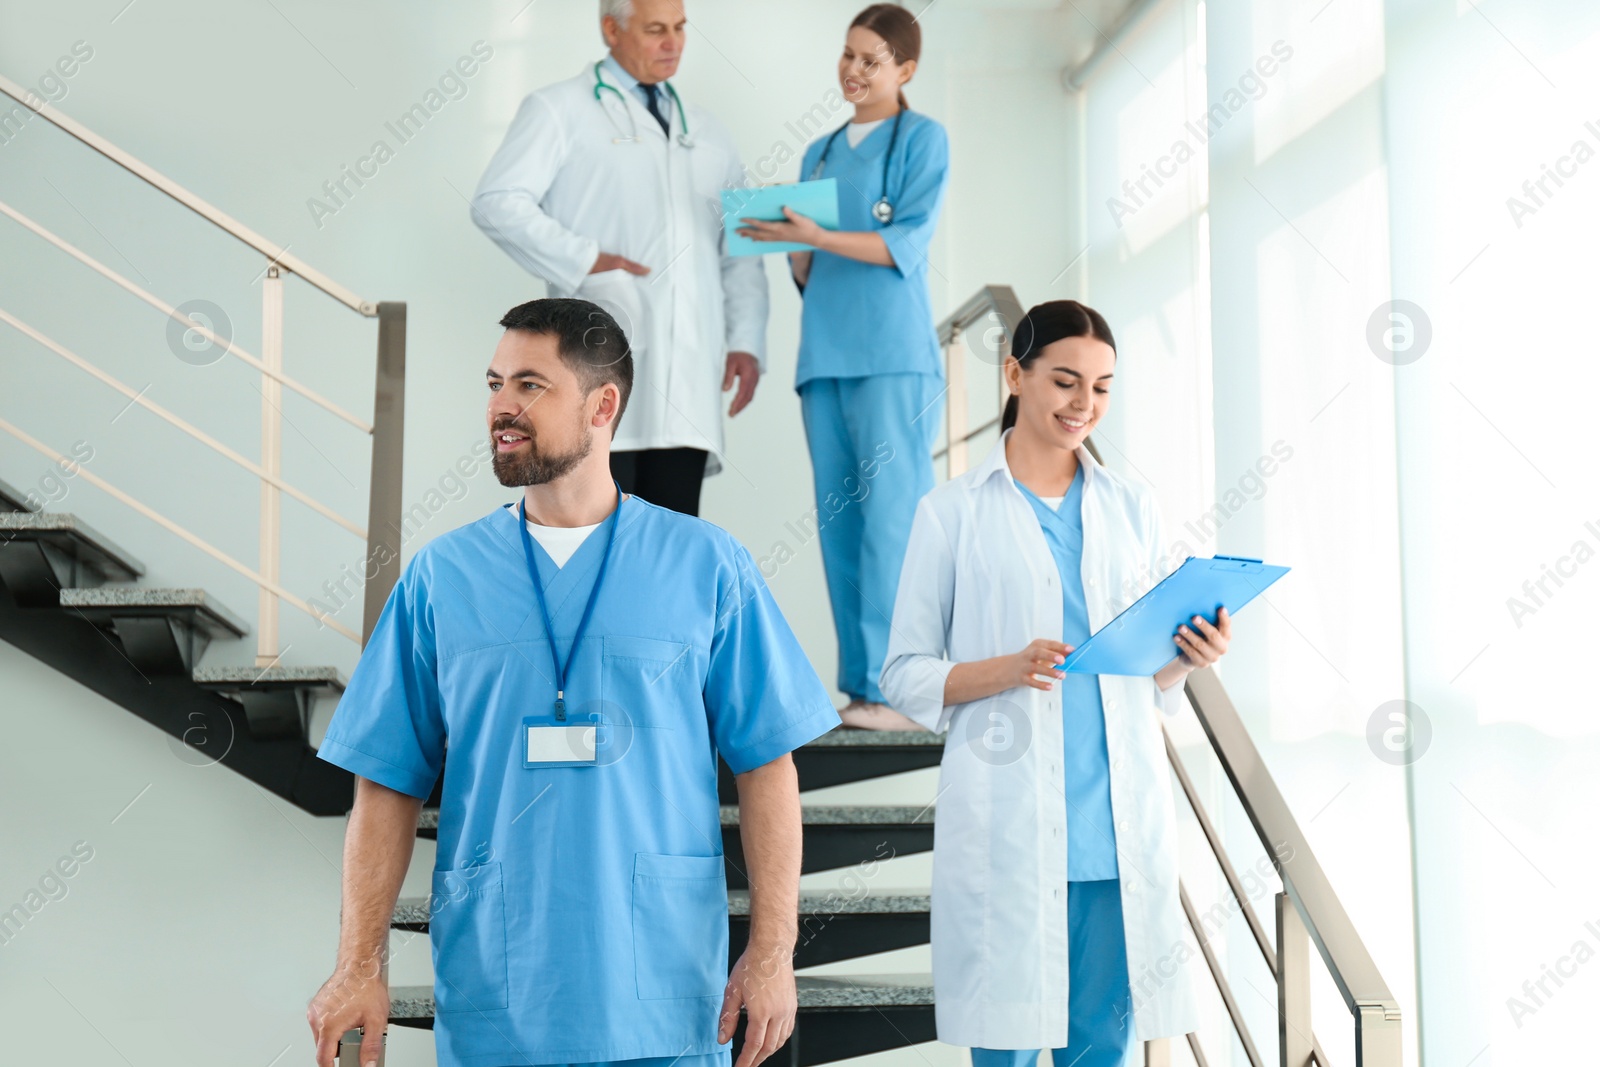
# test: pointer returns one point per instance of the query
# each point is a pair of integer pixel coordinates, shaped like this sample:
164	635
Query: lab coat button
1116	765
1111	705
1091	583
1123	825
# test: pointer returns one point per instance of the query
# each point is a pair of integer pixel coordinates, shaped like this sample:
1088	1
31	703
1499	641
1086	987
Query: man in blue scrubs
587	656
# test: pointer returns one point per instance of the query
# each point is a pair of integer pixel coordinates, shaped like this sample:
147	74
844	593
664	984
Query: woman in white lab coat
1055	919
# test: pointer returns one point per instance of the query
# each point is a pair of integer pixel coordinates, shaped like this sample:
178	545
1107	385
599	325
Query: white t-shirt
857	131
559	541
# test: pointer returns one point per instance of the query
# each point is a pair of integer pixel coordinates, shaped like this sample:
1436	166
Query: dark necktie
652	93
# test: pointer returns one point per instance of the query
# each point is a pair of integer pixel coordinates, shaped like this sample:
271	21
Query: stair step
277	700
840	1016
163	631
42	553
810	815
14	499
834	902
411	913
834	925
203	728
845	755
836	835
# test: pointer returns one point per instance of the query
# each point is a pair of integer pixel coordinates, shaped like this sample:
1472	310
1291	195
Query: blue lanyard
544	609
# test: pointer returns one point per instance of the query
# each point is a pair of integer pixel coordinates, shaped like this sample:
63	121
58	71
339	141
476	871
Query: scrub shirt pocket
467	924
680	926
641	678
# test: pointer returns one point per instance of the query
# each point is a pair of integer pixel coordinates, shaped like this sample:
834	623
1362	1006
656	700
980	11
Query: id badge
545	745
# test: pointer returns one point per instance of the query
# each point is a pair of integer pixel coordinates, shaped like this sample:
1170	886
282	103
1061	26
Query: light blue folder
818	200
1139	641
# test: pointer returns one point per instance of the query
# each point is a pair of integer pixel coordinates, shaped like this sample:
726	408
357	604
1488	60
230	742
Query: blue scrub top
859	318
580	912
1091	833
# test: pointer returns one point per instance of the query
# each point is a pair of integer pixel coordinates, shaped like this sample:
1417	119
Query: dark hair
1044	324
588	340
899	30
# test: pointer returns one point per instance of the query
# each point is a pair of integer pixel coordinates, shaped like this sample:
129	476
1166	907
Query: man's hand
357	996
744	366
612	261
762	982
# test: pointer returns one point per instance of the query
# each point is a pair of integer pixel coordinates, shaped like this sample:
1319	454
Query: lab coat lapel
1029	537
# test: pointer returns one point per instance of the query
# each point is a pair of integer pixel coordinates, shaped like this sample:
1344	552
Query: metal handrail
274	253
1374	1008
1308	909
189	324
137	397
383	531
167	524
998	300
992	301
1235	886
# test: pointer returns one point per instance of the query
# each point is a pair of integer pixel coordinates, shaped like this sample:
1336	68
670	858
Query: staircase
72	598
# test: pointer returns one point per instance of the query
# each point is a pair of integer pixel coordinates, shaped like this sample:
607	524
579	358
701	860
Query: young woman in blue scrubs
870	375
1055	882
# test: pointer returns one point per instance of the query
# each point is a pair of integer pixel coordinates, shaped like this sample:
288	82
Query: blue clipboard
1139	641
818	200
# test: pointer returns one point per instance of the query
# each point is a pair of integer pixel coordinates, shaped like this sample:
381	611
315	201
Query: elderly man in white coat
1056	921
607	186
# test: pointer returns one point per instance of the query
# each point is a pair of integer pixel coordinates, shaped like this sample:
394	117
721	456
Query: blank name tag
559	744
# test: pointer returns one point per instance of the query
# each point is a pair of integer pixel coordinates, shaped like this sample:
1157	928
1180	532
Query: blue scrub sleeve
762	695
925	174
389	726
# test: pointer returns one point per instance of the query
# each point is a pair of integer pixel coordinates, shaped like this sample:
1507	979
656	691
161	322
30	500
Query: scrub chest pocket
680	926
467	915
639	679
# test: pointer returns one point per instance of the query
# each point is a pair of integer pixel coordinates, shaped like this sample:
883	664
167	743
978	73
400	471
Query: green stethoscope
683	119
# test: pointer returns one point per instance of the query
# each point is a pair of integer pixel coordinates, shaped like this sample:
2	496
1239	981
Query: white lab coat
979	581
560	190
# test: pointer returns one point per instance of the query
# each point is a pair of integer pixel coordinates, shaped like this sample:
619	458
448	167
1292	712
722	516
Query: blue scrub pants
1099	1002
865	502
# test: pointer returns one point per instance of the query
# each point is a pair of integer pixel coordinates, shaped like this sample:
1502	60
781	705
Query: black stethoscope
883	211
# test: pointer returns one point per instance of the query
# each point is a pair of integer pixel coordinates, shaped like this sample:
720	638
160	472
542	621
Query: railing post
388	439
1377	1037
1294	987
955	405
267	650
